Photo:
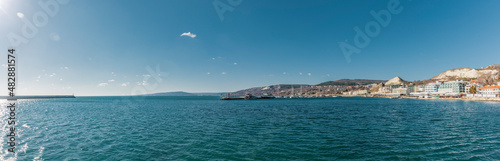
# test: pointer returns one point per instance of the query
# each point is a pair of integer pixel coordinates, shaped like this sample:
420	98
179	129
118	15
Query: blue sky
106	47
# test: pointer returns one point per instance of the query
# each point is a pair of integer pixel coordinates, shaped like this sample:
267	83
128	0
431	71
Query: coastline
490	99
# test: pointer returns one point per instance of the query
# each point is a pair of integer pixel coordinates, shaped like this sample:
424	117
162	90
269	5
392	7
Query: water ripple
204	128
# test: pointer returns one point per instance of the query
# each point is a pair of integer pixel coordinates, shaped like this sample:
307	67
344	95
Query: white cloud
146	75
53	74
327	75
102	84
309	74
223	73
112	80
60	79
284	73
208	73
188	34
66	68
300	73
125	84
20	15
213	58
235	63
143	83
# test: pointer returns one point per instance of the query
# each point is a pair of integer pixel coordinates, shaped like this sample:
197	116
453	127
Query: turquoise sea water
205	128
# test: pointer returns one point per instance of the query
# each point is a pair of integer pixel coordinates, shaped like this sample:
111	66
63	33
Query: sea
206	128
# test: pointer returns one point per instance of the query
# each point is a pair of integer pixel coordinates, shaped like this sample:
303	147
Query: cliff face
395	81
468	73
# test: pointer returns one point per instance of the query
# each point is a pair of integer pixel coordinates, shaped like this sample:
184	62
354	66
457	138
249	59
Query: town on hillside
455	83
450	89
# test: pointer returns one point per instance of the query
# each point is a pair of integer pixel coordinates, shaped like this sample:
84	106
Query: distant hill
305	88
351	82
269	89
395	81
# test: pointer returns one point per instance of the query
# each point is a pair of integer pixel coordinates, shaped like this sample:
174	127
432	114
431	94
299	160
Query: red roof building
490	90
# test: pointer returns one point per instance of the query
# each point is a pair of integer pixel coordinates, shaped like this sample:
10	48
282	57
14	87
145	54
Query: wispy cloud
125	84
223	73
20	15
143	83
53	74
66	68
102	84
309	74
188	34
112	80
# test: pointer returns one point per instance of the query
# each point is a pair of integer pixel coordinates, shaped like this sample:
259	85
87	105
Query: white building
453	87
403	91
360	92
385	90
432	87
492	91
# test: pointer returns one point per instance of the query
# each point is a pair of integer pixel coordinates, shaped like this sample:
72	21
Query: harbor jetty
38	97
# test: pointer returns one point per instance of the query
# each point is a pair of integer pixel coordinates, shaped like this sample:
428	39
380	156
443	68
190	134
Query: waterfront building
394	86
473	83
490	91
402	91
432	87
467	88
385	90
417	88
360	92
453	87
